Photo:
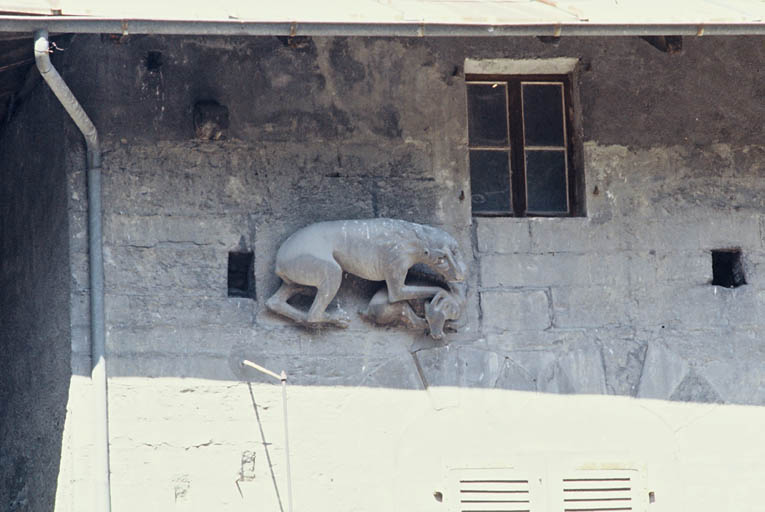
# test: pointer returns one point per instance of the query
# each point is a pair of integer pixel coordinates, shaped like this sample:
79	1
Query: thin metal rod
105	25
286	441
96	264
261	369
283	379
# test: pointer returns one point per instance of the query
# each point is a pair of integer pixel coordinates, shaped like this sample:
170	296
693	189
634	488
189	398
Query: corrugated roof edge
92	25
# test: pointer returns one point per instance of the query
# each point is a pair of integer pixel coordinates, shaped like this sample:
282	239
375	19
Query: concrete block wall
615	303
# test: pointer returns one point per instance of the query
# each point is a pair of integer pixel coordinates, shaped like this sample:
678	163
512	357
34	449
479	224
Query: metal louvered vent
598	494
495	495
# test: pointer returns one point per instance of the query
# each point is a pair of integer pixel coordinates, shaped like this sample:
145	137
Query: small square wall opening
241	274
727	268
153	61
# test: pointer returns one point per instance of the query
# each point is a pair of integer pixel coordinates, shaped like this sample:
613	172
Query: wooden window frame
517	167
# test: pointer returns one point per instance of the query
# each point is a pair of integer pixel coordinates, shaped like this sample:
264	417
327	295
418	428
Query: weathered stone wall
34	301
343	128
616	303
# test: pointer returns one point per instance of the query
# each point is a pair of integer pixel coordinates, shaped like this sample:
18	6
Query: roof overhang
75	25
406	18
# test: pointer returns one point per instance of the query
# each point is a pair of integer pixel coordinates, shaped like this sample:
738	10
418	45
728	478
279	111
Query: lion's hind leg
279	305
328	276
308	271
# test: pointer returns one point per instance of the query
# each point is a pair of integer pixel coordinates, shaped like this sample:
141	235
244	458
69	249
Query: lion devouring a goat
373	249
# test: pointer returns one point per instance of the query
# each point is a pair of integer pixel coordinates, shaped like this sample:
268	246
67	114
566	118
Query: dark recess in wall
727	268
241	274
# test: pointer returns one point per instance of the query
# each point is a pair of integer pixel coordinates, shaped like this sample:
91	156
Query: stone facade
618	302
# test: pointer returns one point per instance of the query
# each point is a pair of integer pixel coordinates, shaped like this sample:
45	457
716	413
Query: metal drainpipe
97	336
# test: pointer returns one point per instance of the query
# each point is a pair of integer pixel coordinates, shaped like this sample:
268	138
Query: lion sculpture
373	249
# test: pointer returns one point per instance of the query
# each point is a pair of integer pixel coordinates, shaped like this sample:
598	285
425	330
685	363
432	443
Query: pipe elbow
42	56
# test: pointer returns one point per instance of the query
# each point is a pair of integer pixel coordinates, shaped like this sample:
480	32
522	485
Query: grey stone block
554	269
696	306
173	340
663	371
364	340
404	160
549	339
738	379
335	371
577	235
664	268
199	180
200	366
149	231
399	372
754	266
197	270
703	232
515	377
576	369
463	366
580	371
623	357
515	310
657	306
695	388
503	235
745	307
146	311
439	366
589	306
478	368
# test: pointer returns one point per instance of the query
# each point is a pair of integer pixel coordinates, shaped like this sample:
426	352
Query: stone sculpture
439	314
374	249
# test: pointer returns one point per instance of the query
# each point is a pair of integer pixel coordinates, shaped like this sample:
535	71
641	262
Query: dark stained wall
35	336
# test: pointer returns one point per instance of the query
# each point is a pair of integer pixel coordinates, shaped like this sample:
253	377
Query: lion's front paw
340	320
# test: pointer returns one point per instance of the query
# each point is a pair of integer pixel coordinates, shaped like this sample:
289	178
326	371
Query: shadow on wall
661	364
35	306
637	368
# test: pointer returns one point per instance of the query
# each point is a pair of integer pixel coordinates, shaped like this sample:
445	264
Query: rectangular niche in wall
727	268
241	274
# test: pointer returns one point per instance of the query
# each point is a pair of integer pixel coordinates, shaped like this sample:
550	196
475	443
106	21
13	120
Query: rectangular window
521	149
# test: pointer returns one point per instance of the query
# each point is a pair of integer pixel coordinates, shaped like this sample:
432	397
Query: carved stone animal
439	310
373	249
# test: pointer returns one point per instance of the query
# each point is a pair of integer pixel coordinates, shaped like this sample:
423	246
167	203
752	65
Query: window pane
543	114
490	181
487	115
546	190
